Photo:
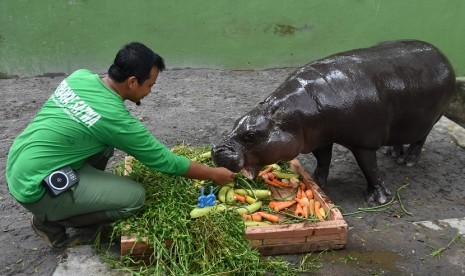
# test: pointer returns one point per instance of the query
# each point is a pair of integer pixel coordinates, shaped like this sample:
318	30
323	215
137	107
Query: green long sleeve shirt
81	118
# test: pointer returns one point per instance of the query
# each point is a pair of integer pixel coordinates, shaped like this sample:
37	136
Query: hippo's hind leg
412	156
394	151
366	160
323	160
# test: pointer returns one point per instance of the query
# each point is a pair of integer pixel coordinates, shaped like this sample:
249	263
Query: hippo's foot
377	194
408	159
412	156
394	151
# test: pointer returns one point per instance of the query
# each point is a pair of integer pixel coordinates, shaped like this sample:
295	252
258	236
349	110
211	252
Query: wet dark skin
388	95
131	90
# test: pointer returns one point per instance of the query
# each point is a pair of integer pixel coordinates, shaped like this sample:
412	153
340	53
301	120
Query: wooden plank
328	237
287	240
255	243
335	226
131	246
296	229
278	231
335	238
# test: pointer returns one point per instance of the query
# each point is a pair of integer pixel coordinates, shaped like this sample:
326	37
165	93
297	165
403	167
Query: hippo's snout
221	149
227	156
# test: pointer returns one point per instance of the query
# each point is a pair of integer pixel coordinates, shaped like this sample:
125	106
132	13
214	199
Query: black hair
135	59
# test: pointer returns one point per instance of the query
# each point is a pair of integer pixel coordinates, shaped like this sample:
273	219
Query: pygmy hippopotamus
390	94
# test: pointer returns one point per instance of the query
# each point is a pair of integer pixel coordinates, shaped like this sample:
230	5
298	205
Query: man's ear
132	82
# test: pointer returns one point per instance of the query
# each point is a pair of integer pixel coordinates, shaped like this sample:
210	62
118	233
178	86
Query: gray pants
110	196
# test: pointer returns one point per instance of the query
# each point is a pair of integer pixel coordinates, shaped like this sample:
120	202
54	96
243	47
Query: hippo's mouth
248	173
226	156
232	158
251	172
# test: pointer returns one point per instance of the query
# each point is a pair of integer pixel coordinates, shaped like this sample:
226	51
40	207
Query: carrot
304	203
271	183
299	211
281	184
271	176
252	217
319	214
309	194
283	205
269	217
271	179
302	186
273	203
317	210
299	193
305	211
256	217
239	197
311	206
276	183
265	171
317	205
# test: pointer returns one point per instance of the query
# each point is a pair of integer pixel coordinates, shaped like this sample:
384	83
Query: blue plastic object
206	200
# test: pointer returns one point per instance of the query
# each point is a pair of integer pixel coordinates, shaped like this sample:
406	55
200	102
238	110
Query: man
79	126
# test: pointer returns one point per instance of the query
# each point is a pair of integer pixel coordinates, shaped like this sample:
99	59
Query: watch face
58	180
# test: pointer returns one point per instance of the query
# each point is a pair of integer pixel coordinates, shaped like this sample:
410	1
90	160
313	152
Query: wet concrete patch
457	223
360	259
82	260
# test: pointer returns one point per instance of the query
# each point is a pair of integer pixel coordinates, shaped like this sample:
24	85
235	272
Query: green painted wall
59	36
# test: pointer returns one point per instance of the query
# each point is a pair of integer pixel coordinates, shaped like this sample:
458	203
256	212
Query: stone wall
456	111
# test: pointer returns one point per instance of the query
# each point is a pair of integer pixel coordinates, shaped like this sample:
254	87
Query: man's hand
223	176
219	176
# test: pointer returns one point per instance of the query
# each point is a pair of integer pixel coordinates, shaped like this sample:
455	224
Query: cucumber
250	199
260	194
249	209
283	175
224	190
200	212
230	197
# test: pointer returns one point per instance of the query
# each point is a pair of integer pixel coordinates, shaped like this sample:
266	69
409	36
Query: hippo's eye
249	136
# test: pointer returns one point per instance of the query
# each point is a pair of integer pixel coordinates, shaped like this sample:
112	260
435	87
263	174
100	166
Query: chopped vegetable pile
209	240
254	201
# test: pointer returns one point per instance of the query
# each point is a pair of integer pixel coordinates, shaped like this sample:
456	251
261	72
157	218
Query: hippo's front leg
323	160
366	160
